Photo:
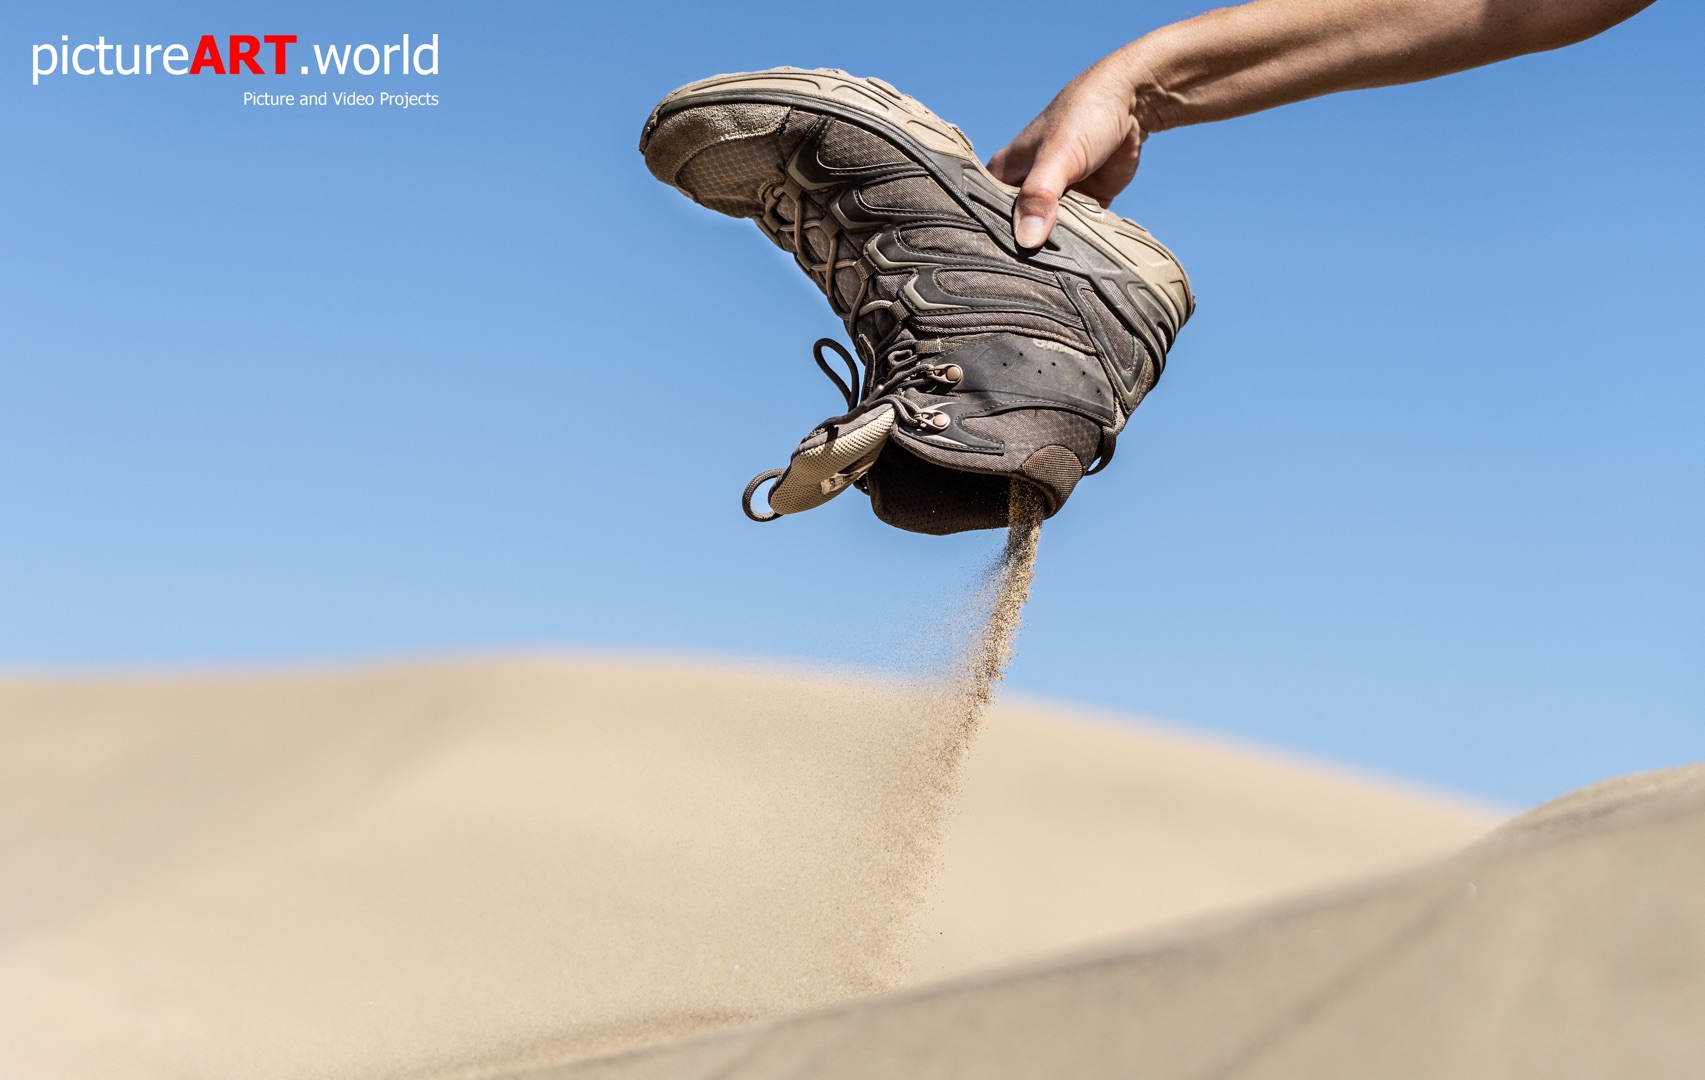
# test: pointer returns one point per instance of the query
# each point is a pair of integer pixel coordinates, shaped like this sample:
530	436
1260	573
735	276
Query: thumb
1039	198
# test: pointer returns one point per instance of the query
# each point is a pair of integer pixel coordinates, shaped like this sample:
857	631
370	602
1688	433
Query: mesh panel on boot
817	240
912	494
993	285
728	176
846	147
847	281
678	138
909	193
942	238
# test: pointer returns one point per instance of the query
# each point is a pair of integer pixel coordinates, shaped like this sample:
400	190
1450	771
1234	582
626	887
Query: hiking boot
984	365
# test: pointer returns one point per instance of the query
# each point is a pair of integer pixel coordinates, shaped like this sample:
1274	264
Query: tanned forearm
1271	52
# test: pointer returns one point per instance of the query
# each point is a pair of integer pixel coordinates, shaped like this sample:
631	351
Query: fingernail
1032	231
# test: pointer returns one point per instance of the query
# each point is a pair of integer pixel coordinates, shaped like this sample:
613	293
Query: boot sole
943	149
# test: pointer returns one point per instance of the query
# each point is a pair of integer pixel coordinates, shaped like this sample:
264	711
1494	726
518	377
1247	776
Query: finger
1039	198
1115	175
1012	162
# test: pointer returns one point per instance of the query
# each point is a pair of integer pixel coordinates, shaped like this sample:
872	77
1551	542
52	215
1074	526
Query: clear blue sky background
1421	488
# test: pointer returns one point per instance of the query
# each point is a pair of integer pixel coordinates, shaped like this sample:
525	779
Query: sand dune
1570	943
1074	827
464	869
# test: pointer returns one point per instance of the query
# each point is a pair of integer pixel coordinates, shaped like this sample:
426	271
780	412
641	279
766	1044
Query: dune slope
1569	943
449	867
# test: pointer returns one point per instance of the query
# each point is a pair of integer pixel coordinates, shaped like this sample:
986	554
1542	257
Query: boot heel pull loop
752	489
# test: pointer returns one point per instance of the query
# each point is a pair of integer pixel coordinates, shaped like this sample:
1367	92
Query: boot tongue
828	462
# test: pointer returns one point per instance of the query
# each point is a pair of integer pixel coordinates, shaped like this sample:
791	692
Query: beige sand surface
1570	943
1074	827
448	868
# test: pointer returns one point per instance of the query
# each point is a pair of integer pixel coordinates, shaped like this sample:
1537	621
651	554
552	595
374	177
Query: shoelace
913	373
822	272
905	367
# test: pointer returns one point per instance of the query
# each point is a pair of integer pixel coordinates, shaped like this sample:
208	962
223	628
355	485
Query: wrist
1140	67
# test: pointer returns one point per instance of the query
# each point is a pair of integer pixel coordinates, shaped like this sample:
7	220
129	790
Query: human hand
1237	60
1088	140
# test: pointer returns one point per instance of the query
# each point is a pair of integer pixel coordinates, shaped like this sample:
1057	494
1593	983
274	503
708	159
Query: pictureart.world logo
235	54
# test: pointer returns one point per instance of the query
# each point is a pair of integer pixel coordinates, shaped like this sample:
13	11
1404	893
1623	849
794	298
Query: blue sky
1421	489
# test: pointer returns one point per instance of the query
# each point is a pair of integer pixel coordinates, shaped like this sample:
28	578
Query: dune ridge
1571	942
454	868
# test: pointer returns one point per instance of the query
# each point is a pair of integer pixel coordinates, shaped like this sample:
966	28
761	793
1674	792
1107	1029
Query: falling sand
460	868
951	704
1008	587
495	863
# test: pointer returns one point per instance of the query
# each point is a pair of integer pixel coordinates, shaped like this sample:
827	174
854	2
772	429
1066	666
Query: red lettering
207	55
278	43
244	49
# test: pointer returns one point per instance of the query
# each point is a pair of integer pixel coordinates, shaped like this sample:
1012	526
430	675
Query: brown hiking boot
983	364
